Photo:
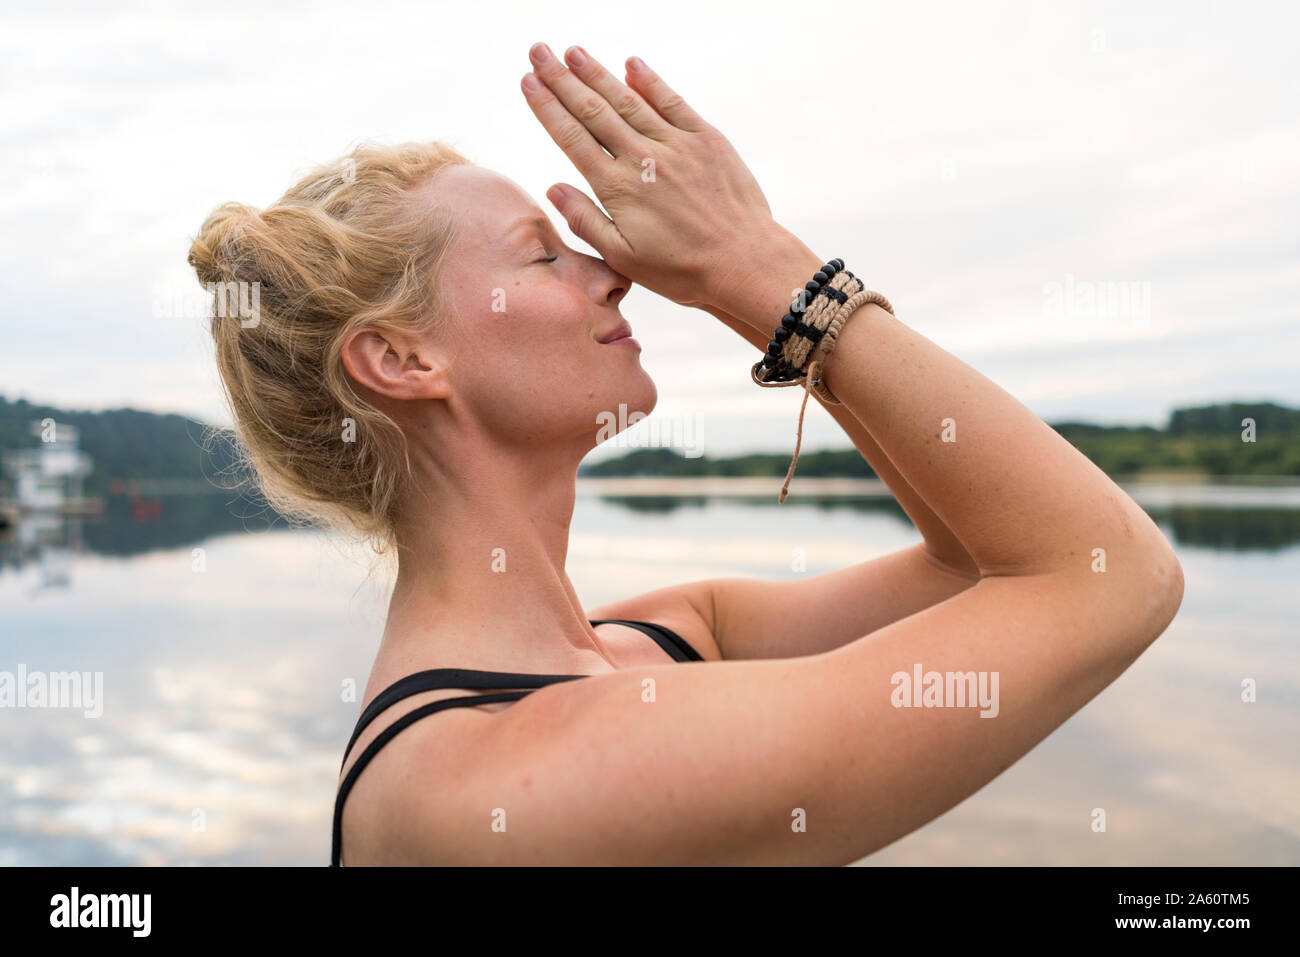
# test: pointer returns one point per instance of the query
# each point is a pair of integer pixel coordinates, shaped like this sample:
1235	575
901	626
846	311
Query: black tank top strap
437	679
405	721
667	639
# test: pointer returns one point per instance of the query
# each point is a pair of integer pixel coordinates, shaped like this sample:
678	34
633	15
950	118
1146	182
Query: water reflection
134	526
1220	526
49	541
1231	529
226	689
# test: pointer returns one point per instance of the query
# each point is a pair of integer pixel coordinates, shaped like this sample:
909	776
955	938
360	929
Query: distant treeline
129	444
1206	440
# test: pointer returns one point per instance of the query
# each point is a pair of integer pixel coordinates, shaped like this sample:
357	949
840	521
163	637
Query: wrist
759	288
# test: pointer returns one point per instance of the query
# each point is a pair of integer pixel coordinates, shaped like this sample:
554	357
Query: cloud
961	159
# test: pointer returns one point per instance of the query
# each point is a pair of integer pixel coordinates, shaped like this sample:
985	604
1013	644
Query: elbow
1173	588
1164	589
1157	573
1140	609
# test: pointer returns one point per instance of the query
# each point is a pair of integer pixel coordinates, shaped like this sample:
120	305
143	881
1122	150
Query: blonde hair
346	247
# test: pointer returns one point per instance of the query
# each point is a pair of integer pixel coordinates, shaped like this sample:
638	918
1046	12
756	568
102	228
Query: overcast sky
992	169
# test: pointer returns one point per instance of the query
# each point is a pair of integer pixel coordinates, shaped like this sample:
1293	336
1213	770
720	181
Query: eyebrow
541	222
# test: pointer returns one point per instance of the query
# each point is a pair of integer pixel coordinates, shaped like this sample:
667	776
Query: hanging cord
813	381
798	357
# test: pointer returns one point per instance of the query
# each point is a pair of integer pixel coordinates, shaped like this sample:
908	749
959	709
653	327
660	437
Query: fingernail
636	64
576	55
541	52
531	82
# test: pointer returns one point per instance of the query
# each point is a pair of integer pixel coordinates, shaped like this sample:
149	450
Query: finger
627	103
662	97
585	105
569	135
587	222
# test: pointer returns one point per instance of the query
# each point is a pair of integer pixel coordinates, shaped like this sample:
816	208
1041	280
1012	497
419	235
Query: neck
481	579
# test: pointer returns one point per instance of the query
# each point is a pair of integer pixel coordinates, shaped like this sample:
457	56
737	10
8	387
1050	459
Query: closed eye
551	260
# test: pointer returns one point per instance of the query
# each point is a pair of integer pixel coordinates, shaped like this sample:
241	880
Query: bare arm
754	618
1018	496
716	767
941	543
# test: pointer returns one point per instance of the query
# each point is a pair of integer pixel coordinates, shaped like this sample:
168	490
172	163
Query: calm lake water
223	721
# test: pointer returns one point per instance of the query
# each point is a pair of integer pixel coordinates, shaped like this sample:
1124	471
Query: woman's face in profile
525	332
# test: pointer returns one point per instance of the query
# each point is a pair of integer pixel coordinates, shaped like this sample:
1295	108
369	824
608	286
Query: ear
395	365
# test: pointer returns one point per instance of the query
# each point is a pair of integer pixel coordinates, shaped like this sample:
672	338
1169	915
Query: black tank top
464	678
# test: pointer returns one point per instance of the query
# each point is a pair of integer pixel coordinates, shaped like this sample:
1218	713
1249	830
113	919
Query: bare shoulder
383	801
404	779
687	609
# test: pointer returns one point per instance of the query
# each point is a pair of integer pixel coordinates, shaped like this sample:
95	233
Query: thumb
585	219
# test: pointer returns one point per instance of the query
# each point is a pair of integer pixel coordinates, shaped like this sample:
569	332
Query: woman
430	362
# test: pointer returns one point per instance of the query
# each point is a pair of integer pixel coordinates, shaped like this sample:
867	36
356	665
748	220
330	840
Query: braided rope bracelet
827	345
807	336
803	325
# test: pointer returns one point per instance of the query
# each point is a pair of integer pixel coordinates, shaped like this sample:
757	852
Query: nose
610	286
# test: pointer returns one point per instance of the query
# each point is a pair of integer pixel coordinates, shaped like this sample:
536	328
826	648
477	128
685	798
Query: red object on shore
146	509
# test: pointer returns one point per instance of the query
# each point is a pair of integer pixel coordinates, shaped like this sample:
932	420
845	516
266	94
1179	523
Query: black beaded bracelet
791	324
801	328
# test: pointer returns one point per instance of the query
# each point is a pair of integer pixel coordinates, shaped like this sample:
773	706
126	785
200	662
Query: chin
625	407
643	396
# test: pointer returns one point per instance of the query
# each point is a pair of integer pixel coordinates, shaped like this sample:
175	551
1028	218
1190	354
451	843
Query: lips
621	331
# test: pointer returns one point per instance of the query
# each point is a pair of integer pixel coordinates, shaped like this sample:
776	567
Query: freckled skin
555	314
1128	529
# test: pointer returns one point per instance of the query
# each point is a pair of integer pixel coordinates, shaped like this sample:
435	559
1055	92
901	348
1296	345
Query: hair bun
215	253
